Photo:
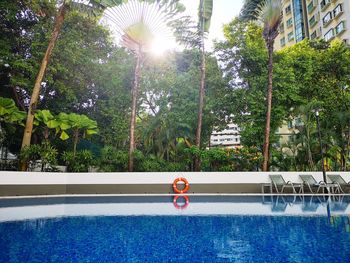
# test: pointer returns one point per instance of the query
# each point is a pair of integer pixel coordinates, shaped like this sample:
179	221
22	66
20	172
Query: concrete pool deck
37	183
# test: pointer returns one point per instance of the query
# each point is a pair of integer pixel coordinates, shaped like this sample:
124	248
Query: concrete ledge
37	183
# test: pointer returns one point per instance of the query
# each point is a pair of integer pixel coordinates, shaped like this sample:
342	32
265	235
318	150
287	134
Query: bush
113	160
80	162
44	152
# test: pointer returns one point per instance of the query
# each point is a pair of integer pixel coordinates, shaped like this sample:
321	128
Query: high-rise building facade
313	19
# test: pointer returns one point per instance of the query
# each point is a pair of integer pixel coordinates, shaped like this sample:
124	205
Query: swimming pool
154	229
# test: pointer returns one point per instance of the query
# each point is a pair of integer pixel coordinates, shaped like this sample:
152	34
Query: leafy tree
59	19
270	16
144	19
9	114
205	12
80	125
250	9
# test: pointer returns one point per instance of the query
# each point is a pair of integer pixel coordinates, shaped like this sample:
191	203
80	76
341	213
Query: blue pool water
178	237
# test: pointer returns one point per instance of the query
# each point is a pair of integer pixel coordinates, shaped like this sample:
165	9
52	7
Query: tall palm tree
88	6
250	9
136	23
270	15
205	12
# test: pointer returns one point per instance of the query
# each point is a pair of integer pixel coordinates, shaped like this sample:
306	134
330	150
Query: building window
298	20
329	35
288	9
340	28
325	3
313	35
289	22
290	124
327	18
290	36
281	28
312	21
283	42
310	7
338	10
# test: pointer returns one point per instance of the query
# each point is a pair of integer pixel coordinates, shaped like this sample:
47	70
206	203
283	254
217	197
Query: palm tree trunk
197	161
36	90
347	150
75	141
269	106
309	153
135	89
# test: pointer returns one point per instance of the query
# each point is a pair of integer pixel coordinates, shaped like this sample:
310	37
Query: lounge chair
278	182
310	182
279	205
339	181
310	205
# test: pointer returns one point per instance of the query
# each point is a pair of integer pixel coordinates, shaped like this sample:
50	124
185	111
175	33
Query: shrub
80	162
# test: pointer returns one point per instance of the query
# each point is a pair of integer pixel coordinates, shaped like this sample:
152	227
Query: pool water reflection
273	229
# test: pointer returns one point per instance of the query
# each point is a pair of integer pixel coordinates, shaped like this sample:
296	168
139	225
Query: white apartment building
313	19
227	138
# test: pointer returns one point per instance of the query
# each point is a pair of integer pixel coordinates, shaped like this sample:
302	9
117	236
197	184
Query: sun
161	44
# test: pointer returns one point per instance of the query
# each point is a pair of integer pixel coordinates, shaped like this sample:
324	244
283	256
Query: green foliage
91	77
205	12
79	161
113	160
9	113
30	153
244	58
44	152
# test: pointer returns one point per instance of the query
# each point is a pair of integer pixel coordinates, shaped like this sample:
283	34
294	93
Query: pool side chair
309	205
279	182
310	182
339	181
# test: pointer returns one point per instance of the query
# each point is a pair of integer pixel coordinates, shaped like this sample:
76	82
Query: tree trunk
347	150
266	152
309	153
135	89
36	90
197	161
75	141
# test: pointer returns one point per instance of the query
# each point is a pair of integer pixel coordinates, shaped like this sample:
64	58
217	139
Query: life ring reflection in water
182	206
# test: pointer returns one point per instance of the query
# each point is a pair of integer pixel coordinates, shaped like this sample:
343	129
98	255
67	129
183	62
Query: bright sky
223	12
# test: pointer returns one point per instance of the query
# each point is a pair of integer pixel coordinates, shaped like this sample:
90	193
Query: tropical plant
113	160
78	161
249	9
205	12
81	126
47	121
46	153
144	19
90	7
9	113
270	16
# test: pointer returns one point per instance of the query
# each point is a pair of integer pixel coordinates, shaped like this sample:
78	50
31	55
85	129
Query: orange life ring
187	185
184	206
